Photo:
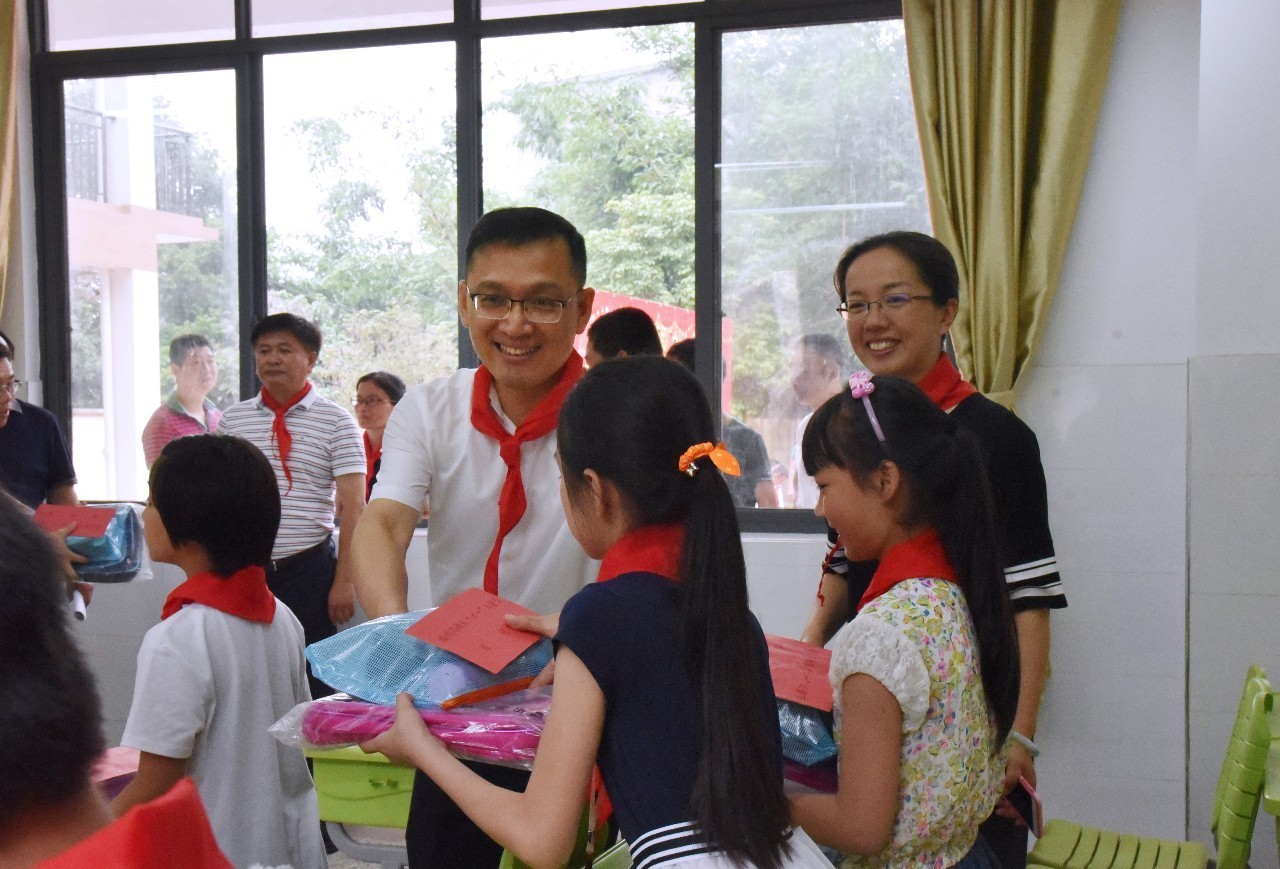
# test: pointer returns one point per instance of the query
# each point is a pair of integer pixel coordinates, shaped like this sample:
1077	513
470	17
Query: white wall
1154	389
1234	464
1107	398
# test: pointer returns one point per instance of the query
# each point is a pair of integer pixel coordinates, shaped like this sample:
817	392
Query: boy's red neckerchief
243	594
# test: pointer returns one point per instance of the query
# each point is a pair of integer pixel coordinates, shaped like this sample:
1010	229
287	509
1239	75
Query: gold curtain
8	132
1007	95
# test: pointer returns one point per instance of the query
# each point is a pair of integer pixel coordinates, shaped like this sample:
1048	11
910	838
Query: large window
361	202
150	196
717	155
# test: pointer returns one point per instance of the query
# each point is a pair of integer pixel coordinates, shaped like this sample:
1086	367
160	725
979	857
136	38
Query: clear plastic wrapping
504	731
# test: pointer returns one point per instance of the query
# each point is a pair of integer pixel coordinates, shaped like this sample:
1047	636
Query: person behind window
35	464
51	814
899	293
188	409
622	332
817	371
754	486
376	394
225	661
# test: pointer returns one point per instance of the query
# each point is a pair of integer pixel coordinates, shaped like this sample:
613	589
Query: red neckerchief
922	555
243	594
540	422
372	455
649	549
171	830
280	431
944	385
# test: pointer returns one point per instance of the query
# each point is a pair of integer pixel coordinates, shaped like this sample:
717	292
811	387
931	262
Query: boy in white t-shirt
225	661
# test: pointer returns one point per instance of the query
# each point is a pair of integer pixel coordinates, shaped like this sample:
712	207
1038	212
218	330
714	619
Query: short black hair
934	263
682	352
307	333
182	345
386	381
7	350
525	225
625	330
220	492
824	345
50	713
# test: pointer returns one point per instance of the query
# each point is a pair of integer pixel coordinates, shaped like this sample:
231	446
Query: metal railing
86	154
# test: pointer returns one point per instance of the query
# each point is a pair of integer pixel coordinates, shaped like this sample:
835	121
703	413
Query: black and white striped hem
666	844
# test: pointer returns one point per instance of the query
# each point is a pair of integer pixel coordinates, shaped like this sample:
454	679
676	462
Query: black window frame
244	55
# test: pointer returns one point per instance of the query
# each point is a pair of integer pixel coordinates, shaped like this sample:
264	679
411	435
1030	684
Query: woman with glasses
899	294
376	393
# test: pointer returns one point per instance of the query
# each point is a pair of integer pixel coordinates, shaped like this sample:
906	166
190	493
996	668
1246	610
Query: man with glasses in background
479	445
35	465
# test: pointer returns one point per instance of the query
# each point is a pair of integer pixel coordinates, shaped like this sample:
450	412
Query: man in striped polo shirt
314	446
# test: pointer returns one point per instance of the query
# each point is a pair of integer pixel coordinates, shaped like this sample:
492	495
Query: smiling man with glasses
35	465
480	446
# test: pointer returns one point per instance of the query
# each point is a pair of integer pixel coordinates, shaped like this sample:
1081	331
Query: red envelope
799	672
471	625
89	521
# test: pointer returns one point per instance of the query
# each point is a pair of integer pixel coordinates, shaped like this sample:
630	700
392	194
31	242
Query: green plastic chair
578	858
1066	845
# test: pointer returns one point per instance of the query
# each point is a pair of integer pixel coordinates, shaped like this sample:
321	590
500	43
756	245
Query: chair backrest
578	858
1235	805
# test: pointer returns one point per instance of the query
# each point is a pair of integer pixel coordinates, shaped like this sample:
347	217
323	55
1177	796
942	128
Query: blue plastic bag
116	556
377	660
806	734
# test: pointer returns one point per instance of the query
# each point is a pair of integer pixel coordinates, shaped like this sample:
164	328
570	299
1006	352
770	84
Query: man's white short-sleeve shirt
431	453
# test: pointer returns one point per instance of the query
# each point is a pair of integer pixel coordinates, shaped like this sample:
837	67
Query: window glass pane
80	24
151	227
522	8
819	148
288	17
598	126
362	208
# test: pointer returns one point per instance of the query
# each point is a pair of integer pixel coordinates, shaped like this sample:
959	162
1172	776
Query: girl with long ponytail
926	677
661	671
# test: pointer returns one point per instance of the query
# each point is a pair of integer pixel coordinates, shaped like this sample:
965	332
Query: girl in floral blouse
926	677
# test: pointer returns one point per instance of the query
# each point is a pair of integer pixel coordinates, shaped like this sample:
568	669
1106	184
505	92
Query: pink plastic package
503	731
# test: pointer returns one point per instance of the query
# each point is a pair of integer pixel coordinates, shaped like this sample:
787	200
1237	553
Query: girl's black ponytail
630	420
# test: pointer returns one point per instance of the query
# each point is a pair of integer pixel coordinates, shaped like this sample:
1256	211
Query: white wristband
1031	747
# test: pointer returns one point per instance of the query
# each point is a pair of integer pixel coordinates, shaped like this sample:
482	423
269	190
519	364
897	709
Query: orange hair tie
720	457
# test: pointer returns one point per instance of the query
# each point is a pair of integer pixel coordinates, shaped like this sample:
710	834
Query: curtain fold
1007	95
8	133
